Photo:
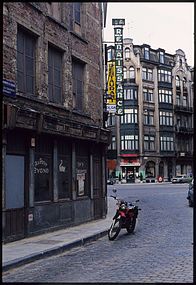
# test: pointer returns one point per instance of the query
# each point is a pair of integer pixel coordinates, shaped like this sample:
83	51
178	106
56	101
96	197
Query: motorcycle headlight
123	206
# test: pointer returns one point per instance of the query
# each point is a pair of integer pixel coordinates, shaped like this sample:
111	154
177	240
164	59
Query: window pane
64	171
54	75
20	62
50	86
20	42
78	74
43	175
57	95
29	64
29	84
50	75
20	81
57	77
29	46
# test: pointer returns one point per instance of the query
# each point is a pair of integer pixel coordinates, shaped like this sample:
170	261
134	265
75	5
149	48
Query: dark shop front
51	181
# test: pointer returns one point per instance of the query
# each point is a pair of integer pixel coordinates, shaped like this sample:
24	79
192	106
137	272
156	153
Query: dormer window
146	53
161	57
127	53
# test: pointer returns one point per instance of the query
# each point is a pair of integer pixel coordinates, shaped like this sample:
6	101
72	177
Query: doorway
14	197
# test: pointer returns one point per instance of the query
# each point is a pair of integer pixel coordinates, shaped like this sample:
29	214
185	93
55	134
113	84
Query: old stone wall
53	24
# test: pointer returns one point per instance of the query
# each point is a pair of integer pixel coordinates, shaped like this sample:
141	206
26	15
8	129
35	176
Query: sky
167	25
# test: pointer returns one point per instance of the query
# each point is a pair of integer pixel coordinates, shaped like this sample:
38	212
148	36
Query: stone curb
50	252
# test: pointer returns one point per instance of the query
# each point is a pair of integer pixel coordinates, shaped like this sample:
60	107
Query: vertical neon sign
118	39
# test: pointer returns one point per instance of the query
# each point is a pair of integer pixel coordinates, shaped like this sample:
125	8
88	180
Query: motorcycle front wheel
131	227
114	229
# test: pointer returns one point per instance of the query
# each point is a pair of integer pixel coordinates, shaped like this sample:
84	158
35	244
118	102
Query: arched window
125	72
184	82
177	81
131	72
127	53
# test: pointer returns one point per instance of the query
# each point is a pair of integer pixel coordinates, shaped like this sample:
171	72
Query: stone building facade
154	140
54	140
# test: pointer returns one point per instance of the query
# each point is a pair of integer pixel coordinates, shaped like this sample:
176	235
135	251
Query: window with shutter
54	75
26	45
78	85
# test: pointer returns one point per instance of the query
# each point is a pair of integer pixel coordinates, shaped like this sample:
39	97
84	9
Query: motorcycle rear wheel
131	227
114	229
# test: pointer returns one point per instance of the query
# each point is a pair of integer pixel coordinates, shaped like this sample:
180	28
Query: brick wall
86	46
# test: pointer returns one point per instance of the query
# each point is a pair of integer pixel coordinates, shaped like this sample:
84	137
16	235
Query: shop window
26	46
54	75
64	170
43	170
82	170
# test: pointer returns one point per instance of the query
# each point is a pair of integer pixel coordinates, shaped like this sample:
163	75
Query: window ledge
35	6
56	21
79	37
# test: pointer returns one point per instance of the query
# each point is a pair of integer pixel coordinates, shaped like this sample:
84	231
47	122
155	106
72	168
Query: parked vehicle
111	181
180	179
190	194
150	179
125	217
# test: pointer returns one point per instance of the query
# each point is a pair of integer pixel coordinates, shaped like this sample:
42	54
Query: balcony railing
180	108
182	153
187	130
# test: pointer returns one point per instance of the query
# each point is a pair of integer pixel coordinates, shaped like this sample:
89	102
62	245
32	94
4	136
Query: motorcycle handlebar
119	199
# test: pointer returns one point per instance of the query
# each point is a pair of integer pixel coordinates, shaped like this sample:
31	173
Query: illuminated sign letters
118	37
111	94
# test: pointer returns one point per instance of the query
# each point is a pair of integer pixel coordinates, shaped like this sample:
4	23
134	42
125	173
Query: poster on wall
81	174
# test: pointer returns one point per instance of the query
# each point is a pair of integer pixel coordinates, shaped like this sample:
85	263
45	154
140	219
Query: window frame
148	117
54	52
78	79
148	94
23	70
166	143
131	72
129	142
149	143
127	53
165	96
161	57
165	118
130	94
147	74
146	53
130	116
77	12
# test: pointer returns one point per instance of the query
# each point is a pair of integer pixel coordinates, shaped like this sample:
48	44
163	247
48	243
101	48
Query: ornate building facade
154	140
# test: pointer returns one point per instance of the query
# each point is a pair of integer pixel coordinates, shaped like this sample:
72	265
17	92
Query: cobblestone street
160	250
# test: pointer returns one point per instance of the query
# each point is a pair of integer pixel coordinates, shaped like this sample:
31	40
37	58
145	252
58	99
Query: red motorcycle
125	217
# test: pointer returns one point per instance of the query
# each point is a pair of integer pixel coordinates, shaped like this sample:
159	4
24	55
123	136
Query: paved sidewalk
33	248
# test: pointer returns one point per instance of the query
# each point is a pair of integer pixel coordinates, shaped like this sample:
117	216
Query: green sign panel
118	22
